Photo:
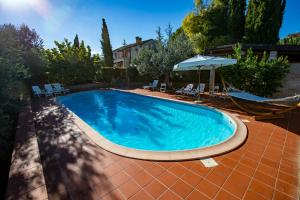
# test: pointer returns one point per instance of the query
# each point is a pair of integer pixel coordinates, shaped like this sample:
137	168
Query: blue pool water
147	123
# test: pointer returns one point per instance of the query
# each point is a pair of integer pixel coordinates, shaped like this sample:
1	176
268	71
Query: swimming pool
148	123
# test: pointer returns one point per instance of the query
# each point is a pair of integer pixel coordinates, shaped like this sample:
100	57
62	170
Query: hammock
261	107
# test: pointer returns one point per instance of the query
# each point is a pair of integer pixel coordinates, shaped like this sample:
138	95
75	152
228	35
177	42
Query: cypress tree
76	42
264	20
159	34
106	46
236	21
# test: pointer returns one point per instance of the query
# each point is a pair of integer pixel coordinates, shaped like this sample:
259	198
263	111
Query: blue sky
59	19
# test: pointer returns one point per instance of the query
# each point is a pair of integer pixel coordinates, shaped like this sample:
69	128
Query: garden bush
260	76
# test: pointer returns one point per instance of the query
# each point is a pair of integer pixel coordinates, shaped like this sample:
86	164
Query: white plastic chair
163	87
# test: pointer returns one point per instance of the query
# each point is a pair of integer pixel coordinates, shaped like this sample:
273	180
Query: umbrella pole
198	87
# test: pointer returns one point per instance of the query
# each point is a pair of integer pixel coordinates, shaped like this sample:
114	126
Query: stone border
235	141
26	178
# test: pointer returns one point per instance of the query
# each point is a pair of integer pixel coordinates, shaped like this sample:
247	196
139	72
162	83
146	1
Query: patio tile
196	195
267	170
249	162
178	170
114	195
155	170
200	169
222	170
216	178
269	180
288	168
250	195
269	162
141	195
223	195
281	196
103	188
129	188
188	164
125	162
191	178
287	189
244	169
166	165
119	179
208	188
133	169
182	189
112	169
168	179
169	195
237	184
261	188
155	188
143	178
229	162
235	155
293	180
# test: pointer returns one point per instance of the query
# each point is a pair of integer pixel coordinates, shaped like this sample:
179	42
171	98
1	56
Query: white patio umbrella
200	62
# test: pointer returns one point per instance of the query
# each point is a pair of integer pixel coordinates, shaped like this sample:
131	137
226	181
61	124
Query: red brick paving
265	167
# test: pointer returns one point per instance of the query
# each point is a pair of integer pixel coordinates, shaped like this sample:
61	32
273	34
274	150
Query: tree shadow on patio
26	180
74	167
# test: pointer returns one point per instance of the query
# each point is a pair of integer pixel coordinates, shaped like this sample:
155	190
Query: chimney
138	40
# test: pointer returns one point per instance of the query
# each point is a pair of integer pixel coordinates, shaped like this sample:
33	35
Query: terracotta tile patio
265	167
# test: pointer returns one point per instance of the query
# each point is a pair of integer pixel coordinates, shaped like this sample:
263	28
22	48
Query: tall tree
169	31
209	26
264	20
159	34
106	46
124	43
236	20
76	42
32	50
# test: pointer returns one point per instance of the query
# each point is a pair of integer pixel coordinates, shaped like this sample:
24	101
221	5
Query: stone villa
123	56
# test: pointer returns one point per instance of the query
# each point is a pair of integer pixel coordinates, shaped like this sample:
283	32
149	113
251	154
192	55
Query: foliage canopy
69	64
159	61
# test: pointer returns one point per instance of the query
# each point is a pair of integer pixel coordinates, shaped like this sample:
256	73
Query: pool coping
232	143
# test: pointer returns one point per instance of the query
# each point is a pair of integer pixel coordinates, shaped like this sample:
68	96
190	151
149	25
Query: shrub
260	76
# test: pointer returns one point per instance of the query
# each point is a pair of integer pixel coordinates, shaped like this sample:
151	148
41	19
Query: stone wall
291	83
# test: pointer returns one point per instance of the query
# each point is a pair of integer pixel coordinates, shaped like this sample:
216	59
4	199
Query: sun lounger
152	86
59	88
186	89
195	92
37	92
49	90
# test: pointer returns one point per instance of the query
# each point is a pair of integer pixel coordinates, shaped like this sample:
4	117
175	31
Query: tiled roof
132	45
